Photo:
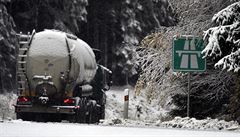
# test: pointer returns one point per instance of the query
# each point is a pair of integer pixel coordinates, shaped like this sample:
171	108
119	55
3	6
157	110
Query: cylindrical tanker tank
59	61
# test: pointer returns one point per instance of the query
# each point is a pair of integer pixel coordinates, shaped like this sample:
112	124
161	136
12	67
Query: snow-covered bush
209	95
224	40
160	82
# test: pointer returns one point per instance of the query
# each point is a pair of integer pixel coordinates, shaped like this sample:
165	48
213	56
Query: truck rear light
23	99
69	101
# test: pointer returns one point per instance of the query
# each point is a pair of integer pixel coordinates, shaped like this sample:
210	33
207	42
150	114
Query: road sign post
188	97
187	57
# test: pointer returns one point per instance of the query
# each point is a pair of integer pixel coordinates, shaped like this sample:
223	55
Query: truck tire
80	116
102	112
93	115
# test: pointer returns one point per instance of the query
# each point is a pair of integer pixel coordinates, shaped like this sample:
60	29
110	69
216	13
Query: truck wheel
80	116
93	114
102	112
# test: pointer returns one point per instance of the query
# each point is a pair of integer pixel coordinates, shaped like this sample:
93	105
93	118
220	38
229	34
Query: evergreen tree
223	46
8	50
224	40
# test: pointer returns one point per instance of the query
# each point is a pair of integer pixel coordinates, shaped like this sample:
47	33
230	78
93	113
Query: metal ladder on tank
24	40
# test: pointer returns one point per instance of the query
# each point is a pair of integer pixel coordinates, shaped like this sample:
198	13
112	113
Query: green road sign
187	54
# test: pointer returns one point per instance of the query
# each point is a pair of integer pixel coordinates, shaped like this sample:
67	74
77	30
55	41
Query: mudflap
26	116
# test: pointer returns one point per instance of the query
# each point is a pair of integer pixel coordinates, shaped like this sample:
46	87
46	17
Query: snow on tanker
59	79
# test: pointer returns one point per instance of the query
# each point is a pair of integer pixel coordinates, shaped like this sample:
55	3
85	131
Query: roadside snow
6	106
139	108
205	124
177	122
114	105
152	115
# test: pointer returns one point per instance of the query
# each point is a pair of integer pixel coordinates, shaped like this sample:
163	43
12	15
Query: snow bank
114	103
126	123
177	122
139	107
205	124
152	115
6	106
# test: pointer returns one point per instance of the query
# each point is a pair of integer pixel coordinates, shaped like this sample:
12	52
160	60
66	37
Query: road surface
34	129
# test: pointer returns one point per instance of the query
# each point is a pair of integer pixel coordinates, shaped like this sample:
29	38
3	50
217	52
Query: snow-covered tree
224	46
8	49
224	39
209	90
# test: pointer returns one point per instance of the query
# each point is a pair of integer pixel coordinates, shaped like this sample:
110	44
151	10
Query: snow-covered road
34	129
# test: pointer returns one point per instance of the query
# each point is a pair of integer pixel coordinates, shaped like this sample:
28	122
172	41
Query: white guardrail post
126	103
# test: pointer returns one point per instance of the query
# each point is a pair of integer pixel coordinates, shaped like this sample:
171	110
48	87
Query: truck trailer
59	79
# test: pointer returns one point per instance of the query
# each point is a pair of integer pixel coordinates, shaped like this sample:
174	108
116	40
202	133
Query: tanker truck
59	79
